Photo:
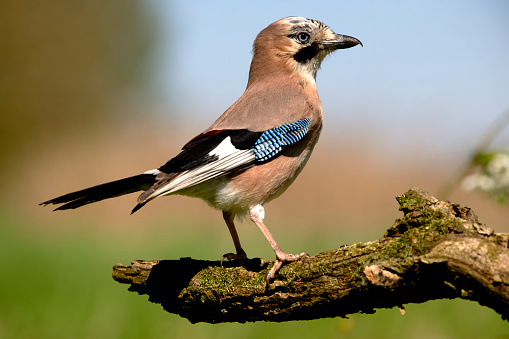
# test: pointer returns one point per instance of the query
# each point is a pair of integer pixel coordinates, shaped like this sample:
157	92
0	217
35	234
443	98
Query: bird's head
295	45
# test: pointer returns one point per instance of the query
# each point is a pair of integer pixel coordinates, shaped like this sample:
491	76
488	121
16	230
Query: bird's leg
241	254
256	214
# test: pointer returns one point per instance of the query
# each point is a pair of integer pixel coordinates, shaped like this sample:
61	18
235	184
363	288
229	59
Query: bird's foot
281	258
233	256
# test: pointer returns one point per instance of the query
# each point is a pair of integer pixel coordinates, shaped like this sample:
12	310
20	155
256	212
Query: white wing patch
224	149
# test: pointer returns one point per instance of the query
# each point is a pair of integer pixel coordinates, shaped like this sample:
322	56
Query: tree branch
437	250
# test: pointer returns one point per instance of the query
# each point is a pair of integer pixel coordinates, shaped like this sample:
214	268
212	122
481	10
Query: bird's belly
219	194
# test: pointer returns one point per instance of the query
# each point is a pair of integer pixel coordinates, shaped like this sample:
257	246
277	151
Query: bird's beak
341	42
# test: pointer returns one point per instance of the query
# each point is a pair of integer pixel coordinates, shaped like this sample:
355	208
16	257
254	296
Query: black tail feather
104	191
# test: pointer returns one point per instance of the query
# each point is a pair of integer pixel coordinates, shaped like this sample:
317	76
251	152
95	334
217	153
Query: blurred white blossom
491	176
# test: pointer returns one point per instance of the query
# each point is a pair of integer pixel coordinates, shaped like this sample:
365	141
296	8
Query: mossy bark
437	250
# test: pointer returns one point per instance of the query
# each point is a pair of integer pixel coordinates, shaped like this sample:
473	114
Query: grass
55	282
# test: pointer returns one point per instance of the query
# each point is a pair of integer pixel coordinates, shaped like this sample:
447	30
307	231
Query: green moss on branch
436	250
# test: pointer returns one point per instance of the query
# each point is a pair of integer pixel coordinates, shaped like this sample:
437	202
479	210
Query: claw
281	258
233	256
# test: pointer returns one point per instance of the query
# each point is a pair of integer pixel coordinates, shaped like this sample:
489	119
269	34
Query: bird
256	149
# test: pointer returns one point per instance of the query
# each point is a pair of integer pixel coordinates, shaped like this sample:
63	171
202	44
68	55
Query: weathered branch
437	250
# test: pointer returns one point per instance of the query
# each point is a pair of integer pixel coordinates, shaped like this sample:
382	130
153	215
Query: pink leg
257	214
241	254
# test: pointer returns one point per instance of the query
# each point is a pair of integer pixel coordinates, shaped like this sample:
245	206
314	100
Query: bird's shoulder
261	108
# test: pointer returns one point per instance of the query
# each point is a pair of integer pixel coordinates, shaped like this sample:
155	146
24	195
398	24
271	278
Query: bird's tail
108	190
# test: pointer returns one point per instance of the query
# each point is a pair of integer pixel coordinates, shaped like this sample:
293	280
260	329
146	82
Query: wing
217	153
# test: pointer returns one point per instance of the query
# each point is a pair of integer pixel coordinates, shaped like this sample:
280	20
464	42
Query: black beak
341	42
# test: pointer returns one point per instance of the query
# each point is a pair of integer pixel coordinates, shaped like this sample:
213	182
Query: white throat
309	69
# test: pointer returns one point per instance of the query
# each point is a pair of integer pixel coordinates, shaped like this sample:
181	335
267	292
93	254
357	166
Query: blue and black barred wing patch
274	141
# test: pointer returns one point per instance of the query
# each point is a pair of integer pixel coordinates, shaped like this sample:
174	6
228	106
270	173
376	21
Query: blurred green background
92	91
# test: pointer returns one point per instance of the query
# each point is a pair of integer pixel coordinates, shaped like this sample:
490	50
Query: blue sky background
432	74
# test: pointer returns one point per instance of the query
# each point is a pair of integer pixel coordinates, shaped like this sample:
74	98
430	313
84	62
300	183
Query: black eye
303	37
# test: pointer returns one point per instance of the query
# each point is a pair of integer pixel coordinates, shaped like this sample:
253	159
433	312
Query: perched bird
256	149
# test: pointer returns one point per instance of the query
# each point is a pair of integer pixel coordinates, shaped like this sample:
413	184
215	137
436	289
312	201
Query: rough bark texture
437	250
